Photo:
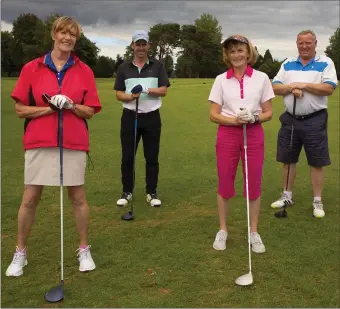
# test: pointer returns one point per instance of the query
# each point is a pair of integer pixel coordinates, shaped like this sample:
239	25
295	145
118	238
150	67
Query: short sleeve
163	79
91	98
120	81
267	90
280	76
329	74
22	87
216	92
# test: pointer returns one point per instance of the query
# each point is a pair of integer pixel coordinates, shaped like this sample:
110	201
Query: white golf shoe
256	243
86	262
220	240
282	201
15	269
153	200
124	199
318	211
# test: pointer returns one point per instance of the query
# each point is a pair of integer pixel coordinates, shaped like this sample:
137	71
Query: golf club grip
294	106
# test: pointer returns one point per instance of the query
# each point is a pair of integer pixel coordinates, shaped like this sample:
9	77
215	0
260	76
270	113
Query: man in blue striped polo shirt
311	79
148	77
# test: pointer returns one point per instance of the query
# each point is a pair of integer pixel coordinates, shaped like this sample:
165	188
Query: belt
130	111
303	117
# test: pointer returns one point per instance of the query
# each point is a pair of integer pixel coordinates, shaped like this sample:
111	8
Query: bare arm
84	111
216	117
158	92
282	89
322	89
267	111
24	111
126	97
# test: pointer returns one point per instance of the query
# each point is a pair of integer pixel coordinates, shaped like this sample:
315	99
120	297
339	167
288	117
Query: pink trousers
229	150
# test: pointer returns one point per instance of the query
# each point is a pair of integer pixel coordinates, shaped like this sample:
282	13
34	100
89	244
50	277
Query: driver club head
281	214
55	294
245	280
128	216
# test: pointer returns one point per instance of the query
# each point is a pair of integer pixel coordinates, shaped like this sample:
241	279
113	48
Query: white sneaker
282	201
256	243
124	199
85	259
15	269
153	200
318	211
220	240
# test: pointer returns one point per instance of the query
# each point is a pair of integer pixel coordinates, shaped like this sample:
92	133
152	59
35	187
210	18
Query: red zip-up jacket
78	84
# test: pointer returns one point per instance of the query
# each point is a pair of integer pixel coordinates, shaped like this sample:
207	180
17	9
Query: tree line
197	47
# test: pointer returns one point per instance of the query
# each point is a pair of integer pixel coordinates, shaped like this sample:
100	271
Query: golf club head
128	216
281	214
55	294
245	280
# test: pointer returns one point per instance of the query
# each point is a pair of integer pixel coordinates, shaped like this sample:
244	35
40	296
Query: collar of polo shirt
249	71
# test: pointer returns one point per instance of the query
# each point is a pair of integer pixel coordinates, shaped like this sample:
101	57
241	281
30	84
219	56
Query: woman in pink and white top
240	96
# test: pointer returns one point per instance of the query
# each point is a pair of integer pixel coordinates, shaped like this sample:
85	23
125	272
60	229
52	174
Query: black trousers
149	128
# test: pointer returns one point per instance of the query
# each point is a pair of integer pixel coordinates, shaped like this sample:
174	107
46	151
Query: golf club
129	215
283	213
57	293
246	279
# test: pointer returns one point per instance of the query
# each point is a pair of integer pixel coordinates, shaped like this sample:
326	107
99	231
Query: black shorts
311	133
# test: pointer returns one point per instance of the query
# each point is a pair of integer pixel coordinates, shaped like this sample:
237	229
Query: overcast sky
268	24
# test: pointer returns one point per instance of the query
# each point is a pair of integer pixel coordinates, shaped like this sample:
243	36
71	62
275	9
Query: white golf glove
145	89
246	115
61	101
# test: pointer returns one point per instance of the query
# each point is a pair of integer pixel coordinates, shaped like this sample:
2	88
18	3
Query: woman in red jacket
70	84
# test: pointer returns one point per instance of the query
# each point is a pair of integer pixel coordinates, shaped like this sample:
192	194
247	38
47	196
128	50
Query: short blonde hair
65	23
304	32
253	54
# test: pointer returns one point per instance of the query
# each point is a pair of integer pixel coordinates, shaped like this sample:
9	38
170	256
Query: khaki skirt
42	167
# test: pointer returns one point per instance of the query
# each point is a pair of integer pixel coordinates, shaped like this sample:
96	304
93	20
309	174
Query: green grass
165	257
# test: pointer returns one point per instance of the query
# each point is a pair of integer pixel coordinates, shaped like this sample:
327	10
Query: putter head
281	214
245	280
128	216
55	294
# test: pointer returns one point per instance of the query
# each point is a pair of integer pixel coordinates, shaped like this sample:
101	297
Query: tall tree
163	39
267	56
169	64
128	53
209	55
104	67
28	32
7	46
186	65
333	50
87	50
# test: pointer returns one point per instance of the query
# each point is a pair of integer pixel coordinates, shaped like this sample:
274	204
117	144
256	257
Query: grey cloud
275	21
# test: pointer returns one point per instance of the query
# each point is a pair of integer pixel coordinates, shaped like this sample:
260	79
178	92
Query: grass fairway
165	257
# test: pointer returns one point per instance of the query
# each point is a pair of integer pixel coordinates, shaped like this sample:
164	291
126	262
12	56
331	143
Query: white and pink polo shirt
250	92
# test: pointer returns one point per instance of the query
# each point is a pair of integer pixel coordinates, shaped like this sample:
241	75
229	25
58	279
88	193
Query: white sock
317	198
289	194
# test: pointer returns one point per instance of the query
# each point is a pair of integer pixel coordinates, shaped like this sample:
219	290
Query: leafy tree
104	67
163	39
7	46
333	50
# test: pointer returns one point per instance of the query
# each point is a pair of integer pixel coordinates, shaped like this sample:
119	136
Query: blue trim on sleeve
276	82
331	83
